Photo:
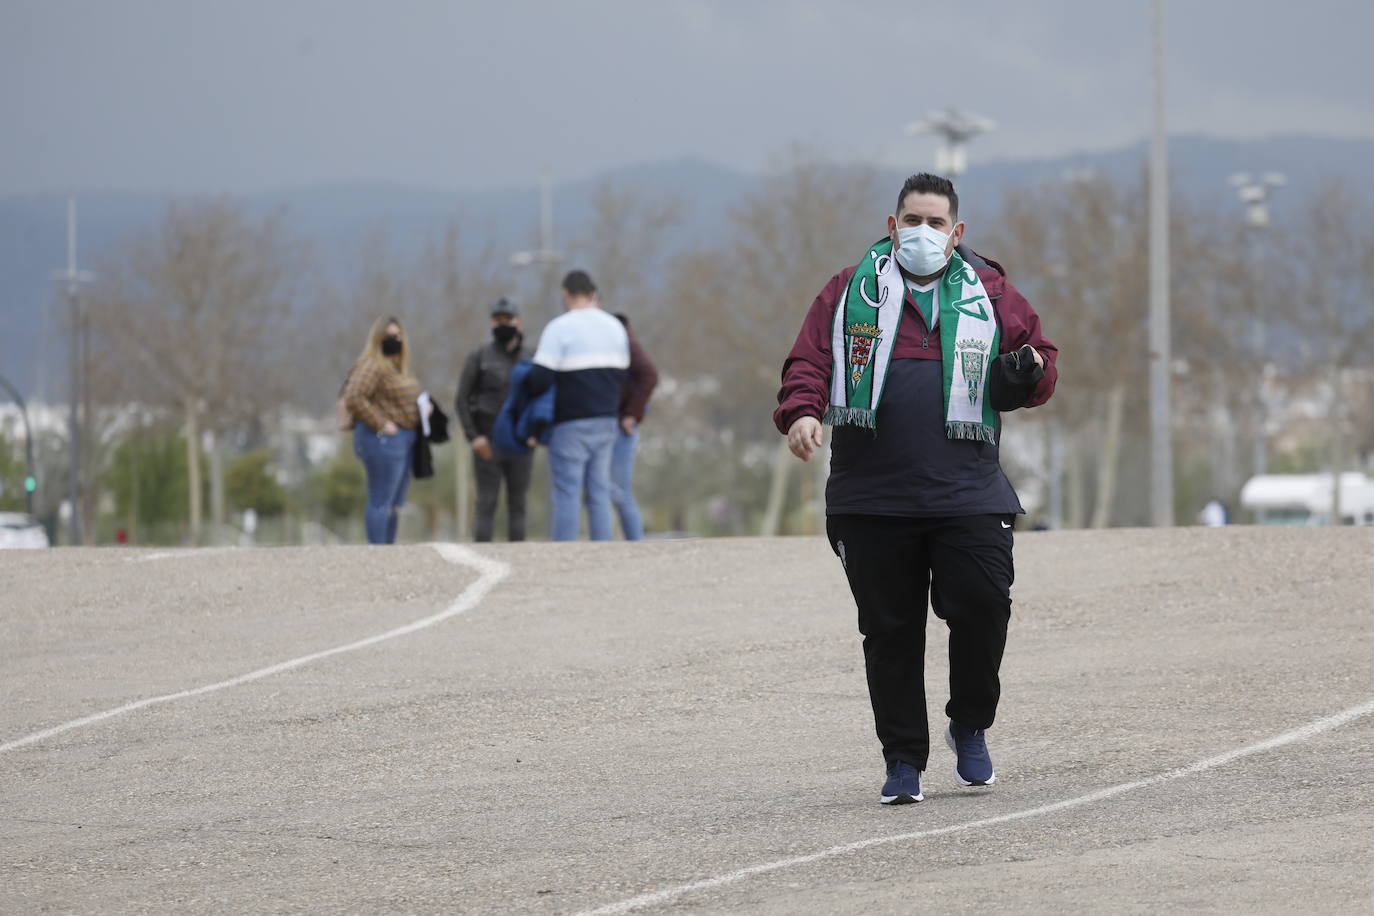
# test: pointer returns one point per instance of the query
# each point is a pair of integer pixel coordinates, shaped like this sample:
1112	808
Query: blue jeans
387	462
622	485
580	464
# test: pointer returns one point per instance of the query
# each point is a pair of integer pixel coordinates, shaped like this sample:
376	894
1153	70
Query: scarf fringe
850	416
981	432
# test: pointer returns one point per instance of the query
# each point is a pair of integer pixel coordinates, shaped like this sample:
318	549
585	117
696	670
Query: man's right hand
804	437
481	447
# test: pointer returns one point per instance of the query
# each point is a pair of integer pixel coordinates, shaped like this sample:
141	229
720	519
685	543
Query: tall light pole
956	129
1161	357
70	281
1254	192
545	258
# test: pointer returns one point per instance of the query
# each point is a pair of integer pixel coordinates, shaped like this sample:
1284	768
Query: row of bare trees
197	320
1258	315
221	322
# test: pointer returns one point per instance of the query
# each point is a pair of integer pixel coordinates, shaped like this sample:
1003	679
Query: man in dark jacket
640	381
910	354
481	392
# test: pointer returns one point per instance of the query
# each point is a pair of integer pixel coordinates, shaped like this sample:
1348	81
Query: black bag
422	462
438	426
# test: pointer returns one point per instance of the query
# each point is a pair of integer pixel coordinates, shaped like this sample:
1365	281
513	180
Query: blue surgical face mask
922	250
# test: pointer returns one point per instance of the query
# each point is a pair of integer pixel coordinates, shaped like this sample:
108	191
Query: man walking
585	352
910	354
482	390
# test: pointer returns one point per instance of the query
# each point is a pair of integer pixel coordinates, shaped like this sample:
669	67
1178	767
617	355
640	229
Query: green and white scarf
865	331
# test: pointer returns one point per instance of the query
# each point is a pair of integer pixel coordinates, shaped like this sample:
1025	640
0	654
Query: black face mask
505	333
391	345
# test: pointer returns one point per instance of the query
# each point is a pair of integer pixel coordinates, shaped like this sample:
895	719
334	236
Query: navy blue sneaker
973	766
903	784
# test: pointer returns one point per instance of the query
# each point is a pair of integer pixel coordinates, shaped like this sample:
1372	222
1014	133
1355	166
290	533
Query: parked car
20	530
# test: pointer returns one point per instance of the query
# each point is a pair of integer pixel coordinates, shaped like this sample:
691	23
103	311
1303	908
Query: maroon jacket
640	381
805	390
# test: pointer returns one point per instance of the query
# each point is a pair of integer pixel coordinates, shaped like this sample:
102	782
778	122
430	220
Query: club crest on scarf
973	358
862	338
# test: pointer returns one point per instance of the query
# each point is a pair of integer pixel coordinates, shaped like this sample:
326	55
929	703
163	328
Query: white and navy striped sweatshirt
586	353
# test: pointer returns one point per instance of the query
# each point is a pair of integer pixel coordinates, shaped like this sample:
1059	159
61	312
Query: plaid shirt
375	394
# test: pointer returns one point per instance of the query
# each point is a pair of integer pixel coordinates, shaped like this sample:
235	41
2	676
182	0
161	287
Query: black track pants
516	471
965	566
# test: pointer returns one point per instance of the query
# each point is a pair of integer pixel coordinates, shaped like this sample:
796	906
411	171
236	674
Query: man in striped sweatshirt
585	353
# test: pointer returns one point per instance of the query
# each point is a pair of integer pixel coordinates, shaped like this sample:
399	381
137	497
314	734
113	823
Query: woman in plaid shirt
381	395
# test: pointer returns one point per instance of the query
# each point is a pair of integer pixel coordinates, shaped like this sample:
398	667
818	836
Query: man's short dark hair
578	283
926	183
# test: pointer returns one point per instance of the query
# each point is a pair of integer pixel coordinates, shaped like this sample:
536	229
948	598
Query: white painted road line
1298	734
490	573
183	553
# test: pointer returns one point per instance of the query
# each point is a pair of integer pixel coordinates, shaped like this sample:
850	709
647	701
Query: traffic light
30	484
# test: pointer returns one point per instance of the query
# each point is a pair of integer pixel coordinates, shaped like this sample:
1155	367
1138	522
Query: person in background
584	353
381	394
482	389
640	381
1214	514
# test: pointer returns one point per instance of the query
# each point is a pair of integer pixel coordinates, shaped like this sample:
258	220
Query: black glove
1022	364
1013	379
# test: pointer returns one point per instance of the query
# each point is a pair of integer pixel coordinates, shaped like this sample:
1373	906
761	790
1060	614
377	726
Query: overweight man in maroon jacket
912	513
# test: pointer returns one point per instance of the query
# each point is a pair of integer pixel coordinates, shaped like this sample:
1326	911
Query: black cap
504	306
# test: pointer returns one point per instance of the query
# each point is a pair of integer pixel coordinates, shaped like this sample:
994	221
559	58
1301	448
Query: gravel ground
615	720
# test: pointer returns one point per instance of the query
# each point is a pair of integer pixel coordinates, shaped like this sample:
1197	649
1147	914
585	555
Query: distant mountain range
338	217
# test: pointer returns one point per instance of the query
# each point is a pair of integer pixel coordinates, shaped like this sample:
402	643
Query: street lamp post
71	280
1254	192
1161	357
545	258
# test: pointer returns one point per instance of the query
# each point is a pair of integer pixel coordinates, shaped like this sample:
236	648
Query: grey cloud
204	95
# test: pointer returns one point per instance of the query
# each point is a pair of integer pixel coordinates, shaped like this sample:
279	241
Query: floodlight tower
545	258
956	128
70	281
1254	192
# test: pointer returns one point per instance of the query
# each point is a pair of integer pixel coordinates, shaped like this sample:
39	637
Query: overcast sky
243	95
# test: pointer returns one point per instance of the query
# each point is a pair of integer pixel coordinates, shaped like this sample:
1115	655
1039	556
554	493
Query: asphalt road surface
1187	725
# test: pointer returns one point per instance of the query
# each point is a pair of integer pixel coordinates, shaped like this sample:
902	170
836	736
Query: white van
1305	499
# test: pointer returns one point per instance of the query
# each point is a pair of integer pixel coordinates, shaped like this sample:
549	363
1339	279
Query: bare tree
736	307
1327	289
197	312
623	244
1077	249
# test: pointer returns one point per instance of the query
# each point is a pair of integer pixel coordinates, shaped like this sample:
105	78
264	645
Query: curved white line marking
1297	734
490	572
180	553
